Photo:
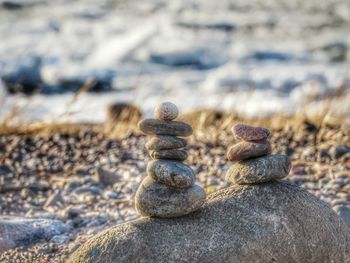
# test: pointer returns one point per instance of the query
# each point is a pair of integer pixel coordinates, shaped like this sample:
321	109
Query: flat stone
107	177
55	199
250	133
160	127
158	200
179	155
274	222
18	231
259	170
246	150
171	173
166	111
164	142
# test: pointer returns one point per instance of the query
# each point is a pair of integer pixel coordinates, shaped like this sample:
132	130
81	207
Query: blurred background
66	60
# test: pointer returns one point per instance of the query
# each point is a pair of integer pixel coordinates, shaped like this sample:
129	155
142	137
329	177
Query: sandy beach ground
86	178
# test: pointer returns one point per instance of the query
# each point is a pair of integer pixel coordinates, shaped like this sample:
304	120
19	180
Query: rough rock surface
175	154
274	222
16	231
160	127
156	199
259	170
250	133
171	173
246	150
163	142
166	111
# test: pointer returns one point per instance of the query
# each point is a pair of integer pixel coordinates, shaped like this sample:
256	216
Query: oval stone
171	173
158	200
178	155
166	111
247	150
259	170
164	142
250	133
160	127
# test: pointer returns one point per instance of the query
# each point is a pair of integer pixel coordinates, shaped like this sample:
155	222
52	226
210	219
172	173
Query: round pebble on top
166	111
250	133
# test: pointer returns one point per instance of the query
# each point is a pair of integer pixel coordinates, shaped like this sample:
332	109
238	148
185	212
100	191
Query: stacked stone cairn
254	163
169	189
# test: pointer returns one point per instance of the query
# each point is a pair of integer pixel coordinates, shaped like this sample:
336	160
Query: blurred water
255	57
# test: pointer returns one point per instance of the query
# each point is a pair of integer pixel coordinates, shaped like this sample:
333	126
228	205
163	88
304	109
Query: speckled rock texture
171	173
163	142
271	222
175	154
259	170
250	133
246	150
166	111
158	200
160	127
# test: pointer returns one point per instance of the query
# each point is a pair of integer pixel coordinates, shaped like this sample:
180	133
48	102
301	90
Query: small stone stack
169	189
253	162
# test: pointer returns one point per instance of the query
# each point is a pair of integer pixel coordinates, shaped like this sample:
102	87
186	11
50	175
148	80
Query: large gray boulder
271	222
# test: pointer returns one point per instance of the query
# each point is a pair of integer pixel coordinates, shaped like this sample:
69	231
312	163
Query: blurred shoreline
256	58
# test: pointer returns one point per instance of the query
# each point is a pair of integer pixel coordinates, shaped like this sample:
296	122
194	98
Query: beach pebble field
84	183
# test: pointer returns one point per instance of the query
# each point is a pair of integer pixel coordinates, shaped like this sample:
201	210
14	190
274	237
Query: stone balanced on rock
249	221
169	189
253	162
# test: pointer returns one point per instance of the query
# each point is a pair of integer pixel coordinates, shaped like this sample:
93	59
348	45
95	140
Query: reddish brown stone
246	150
250	133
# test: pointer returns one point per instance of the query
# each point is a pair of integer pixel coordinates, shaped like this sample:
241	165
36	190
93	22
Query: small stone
246	150
338	151
164	142
158	200
166	111
71	212
59	239
110	195
91	190
55	199
250	133
259	170
160	127
179	155
171	173
107	177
